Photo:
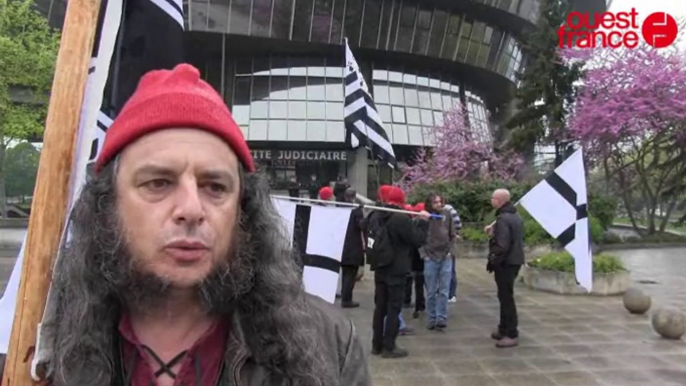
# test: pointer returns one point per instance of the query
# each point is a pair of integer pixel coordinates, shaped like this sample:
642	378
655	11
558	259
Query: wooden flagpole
51	194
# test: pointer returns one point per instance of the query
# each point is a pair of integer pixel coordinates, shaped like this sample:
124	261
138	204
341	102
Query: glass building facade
278	64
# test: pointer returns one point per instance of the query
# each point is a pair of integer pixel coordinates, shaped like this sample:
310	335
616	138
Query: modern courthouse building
279	66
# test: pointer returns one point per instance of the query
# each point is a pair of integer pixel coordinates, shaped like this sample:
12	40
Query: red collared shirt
208	351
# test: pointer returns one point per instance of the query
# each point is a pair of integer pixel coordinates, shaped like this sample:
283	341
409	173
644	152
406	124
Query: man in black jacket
505	257
353	252
389	280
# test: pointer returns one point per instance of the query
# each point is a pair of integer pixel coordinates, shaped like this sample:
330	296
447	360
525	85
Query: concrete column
358	169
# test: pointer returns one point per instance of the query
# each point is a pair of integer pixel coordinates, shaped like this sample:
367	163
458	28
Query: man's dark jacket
341	348
353	248
404	237
507	244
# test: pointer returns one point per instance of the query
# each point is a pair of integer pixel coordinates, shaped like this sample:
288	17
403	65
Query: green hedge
534	234
563	262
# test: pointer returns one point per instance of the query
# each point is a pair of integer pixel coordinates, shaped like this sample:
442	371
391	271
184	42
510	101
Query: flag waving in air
559	204
362	122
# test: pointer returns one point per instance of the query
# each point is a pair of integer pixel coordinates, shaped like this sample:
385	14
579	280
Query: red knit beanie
325	193
168	99
396	196
383	192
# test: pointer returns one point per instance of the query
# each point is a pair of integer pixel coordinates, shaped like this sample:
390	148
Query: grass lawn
670	226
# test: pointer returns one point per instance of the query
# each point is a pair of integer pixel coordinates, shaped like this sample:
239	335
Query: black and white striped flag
319	234
132	38
362	121
559	204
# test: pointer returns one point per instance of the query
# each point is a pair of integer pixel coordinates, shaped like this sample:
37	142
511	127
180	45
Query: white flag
319	235
559	204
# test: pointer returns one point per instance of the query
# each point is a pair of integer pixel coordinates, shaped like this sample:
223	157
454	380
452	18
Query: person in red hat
326	193
391	236
177	272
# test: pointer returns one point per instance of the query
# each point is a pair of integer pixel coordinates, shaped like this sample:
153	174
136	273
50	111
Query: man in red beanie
391	236
177	272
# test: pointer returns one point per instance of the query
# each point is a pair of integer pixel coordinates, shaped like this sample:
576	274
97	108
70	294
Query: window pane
298	89
370	26
334	91
437	33
316	110
406	27
278	130
353	21
396	95
413	116
337	23
297	130
316	92
258	130
281	19
297	110
303	18
279	88
424	99
436	101
384	112
415	136
260	110
427	117
261	18
321	20
411	98
278	110
334	111
240	17
400	134
398	114
241	114
316	131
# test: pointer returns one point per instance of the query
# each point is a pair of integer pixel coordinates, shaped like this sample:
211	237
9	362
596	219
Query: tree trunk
668	214
3	193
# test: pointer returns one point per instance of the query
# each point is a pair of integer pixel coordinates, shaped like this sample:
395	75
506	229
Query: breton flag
132	38
559	204
318	233
362	121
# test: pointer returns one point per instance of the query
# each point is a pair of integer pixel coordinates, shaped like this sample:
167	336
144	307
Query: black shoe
496	335
441	325
395	353
350	304
376	351
415	315
431	326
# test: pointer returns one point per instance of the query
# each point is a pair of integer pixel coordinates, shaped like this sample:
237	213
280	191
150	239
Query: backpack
380	251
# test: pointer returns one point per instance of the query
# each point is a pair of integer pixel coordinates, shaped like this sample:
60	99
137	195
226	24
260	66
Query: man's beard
216	293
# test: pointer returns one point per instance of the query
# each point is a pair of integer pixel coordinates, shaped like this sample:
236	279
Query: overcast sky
676	8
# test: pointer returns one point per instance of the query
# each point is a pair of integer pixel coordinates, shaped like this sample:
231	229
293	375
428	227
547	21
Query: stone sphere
669	322
636	301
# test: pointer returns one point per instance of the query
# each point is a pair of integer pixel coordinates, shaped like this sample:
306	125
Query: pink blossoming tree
630	116
458	155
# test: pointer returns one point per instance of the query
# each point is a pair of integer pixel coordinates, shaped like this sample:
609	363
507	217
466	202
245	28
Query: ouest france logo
617	29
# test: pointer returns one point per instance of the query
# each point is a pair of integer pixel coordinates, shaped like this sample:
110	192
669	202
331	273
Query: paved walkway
565	340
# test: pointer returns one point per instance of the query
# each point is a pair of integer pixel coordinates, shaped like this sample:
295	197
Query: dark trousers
418	279
504	279
349	274
388	298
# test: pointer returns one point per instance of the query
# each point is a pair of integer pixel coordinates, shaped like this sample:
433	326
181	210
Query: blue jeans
437	280
402	322
453	281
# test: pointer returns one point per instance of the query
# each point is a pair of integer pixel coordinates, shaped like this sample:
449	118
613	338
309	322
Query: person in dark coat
313	187
353	252
339	189
389	281
505	258
417	276
294	187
